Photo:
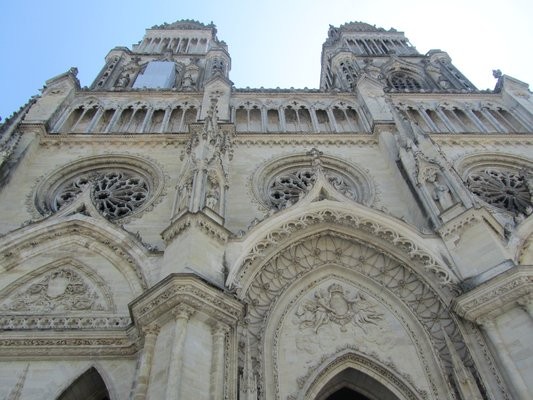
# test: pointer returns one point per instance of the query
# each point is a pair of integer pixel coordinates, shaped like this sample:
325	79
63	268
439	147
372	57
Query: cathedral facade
165	235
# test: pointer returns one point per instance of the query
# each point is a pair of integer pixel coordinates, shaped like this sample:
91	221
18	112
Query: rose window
503	189
290	185
115	194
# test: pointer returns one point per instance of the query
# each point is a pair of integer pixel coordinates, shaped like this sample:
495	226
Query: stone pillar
332	120
220	331
513	374
114	120
147	119
475	119
445	119
182	313
427	119
145	364
499	127
96	119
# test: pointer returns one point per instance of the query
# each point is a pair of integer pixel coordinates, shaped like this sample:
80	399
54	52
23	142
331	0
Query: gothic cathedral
166	235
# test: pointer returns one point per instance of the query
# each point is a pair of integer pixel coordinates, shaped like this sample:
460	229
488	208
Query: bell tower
180	56
358	48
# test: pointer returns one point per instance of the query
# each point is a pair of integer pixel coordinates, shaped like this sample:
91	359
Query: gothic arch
92	383
410	70
97	235
361	222
331	368
471	162
284	249
282	331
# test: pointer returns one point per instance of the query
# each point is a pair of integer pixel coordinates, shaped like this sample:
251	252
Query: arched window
403	81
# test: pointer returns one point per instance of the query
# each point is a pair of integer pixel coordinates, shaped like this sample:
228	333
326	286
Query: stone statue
212	197
440	192
123	80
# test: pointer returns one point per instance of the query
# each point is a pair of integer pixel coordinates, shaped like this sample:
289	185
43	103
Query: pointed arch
351	369
94	234
310	216
312	237
90	384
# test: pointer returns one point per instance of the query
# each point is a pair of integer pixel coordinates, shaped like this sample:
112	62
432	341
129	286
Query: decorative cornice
189	290
496	296
306	139
200	220
66	344
48	322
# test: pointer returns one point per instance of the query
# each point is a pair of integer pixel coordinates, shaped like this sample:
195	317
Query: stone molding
200	220
472	216
350	355
67	344
178	290
63	322
496	296
284	226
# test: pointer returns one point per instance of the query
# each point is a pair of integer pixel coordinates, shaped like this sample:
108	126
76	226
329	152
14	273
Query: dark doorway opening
89	386
347	394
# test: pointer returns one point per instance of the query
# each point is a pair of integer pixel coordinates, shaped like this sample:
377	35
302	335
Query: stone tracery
503	189
115	193
289	186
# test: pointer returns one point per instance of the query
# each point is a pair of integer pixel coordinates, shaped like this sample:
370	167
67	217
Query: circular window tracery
503	189
282	181
120	186
290	185
115	193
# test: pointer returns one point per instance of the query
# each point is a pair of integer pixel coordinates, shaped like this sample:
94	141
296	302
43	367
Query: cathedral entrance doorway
352	384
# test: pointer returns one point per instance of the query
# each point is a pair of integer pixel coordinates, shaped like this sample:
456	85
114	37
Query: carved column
332	120
95	120
513	374
499	127
220	331
427	119
445	119
314	120
114	119
475	119
145	364
283	126
182	313
147	119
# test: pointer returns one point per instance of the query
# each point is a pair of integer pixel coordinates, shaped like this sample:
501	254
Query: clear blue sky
272	43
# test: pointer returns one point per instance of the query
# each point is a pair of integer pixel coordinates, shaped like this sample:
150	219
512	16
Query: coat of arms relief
331	314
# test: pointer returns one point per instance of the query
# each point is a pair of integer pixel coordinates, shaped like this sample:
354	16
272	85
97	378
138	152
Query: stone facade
166	235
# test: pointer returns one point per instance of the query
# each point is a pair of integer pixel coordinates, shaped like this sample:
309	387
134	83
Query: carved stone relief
59	290
338	307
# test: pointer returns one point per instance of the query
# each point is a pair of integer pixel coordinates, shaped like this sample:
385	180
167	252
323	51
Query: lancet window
404	82
296	118
133	118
